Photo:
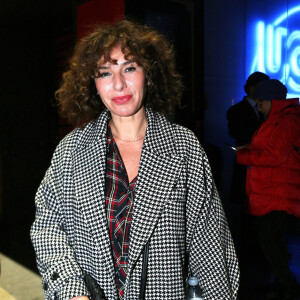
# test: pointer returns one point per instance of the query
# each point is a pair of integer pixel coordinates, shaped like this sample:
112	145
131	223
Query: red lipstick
122	100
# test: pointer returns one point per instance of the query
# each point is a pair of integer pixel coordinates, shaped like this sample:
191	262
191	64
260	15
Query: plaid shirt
119	205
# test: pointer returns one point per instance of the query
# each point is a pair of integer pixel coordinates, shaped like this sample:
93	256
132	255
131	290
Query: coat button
54	276
45	286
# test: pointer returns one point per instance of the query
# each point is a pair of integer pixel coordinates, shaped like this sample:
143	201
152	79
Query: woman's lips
122	100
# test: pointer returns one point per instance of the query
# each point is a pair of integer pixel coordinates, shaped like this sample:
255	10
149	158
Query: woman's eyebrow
125	63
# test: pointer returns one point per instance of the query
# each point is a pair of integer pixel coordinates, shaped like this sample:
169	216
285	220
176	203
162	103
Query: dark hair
254	79
77	95
271	89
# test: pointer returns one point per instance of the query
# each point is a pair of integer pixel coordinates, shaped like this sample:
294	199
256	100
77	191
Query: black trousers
270	230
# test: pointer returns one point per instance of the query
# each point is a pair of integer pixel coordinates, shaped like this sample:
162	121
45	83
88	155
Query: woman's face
121	86
264	106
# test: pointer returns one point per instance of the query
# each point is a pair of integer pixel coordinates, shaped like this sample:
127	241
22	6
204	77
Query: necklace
128	141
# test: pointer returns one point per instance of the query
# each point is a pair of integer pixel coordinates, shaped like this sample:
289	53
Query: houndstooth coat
176	208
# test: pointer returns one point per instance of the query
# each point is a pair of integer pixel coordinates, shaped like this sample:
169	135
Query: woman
129	178
273	177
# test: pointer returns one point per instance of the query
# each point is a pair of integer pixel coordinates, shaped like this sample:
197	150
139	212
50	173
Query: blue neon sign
277	50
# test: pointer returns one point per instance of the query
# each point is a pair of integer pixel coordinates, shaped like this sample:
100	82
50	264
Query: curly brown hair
77	95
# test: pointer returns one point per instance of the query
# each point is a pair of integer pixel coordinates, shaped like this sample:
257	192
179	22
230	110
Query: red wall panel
98	12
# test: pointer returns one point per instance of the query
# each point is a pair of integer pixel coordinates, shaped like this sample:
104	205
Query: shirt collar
251	102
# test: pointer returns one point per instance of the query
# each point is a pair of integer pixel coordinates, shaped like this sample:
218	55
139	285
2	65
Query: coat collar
159	169
156	140
94	131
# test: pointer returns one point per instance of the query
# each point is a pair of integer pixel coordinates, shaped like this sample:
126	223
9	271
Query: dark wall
224	78
29	121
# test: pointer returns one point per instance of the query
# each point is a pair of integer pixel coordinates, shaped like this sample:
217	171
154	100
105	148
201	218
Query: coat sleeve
281	141
61	275
212	256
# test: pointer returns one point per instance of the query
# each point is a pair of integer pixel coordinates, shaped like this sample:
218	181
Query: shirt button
54	276
45	286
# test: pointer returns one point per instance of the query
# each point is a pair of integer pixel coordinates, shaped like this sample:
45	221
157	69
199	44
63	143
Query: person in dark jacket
273	178
243	119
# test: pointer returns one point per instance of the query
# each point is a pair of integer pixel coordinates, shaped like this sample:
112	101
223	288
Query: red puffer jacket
273	160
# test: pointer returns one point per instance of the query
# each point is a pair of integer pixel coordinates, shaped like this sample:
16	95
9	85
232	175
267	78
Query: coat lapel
89	176
159	170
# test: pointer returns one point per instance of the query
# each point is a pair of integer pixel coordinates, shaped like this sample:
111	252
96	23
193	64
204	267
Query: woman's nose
119	82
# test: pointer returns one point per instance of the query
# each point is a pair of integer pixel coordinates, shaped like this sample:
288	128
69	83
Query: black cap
271	89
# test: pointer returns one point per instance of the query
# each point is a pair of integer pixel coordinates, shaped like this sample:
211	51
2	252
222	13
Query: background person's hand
80	298
246	146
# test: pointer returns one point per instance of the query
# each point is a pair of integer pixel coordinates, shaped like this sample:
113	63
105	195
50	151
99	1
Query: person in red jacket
273	178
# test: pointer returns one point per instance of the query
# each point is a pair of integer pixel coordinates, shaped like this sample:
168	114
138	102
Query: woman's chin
126	112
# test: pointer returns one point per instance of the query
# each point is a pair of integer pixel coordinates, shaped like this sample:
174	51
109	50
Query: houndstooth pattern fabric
176	208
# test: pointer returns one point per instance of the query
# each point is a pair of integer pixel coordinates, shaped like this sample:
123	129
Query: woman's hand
246	146
80	298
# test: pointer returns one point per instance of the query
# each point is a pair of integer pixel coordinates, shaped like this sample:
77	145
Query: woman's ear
148	81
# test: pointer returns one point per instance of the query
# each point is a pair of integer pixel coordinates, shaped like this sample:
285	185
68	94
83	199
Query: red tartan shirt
119	205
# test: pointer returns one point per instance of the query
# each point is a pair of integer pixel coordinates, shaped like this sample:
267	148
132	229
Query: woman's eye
104	74
130	69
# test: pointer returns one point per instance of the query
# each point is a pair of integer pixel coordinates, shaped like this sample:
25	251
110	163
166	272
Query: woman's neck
129	128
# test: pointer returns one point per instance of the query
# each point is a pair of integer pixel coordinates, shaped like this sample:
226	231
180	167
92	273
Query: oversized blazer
176	208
